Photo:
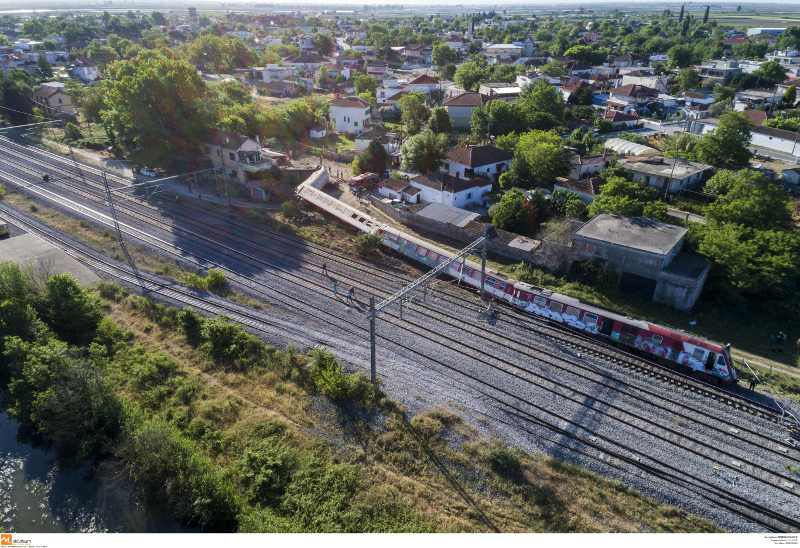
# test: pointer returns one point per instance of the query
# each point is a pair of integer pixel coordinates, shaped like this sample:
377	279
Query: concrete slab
45	258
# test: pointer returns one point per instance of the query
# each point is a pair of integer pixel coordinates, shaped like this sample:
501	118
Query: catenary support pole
372	316
483	259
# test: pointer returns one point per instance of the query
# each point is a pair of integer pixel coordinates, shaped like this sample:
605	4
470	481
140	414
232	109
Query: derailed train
701	357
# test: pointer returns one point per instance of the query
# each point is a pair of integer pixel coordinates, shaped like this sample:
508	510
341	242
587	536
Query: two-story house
630	60
85	69
54	100
458	43
647	256
238	154
787	58
486	161
460	107
422	83
350	115
585	166
719	71
631	96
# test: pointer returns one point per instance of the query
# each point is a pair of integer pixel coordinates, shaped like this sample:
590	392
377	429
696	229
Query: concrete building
460	107
651	81
422	83
787	58
761	137
647	256
387	140
449	190
791	176
478	161
719	71
760	31
85	69
630	97
497	50
666	174
350	115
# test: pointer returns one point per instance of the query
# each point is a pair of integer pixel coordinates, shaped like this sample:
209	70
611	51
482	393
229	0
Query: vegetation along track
558	334
600	448
508	364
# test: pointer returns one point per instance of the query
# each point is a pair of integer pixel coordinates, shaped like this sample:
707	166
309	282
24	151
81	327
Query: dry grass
417	464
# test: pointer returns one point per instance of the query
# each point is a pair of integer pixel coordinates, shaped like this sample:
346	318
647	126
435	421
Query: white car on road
148	172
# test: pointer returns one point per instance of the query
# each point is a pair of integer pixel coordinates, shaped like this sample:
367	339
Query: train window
476	274
588	317
501	286
393	237
541	301
556	307
422	251
490	281
572	311
698	353
411	247
433	256
657	339
720	361
401	241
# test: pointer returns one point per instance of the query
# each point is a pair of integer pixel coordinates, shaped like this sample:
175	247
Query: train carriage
701	357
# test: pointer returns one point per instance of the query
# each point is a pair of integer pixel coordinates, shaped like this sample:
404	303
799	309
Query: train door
710	361
606	326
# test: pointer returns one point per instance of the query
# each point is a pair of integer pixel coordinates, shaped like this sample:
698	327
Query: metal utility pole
222	165
400	296
483	259
119	233
3	61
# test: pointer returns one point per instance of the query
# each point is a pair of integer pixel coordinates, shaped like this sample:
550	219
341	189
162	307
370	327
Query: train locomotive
699	357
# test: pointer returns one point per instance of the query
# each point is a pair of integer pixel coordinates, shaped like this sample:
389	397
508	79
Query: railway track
559	334
515	370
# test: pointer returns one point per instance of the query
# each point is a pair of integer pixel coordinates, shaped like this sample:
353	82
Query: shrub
151	370
73	312
111	291
215	279
327	371
72	132
260	520
33	207
503	460
525	272
319	497
226	342
289	208
194	281
190	324
169	468
368	243
265	470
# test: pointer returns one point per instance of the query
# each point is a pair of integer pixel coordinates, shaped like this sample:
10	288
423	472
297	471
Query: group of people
351	293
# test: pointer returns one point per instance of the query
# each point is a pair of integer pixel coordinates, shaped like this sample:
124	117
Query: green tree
374	158
440	121
539	158
510	214
738	8
790	96
72	311
771	73
680	17
623	197
364	82
324	43
16	100
468	75
72	132
43	67
728	142
750	199
581	96
158	108
705	15
424	152
495	117
443	54
323	77
680	56
542	105
689	79
414	111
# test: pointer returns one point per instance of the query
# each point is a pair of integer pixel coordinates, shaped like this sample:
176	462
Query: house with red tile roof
350	115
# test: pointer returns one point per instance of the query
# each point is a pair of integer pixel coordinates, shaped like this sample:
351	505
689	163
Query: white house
478	161
317	132
423	83
85	70
393	189
26	44
497	50
791	176
350	115
458	43
448	190
631	96
786	58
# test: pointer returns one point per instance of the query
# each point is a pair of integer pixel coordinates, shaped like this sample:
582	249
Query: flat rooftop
672	168
447	214
633	232
687	265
